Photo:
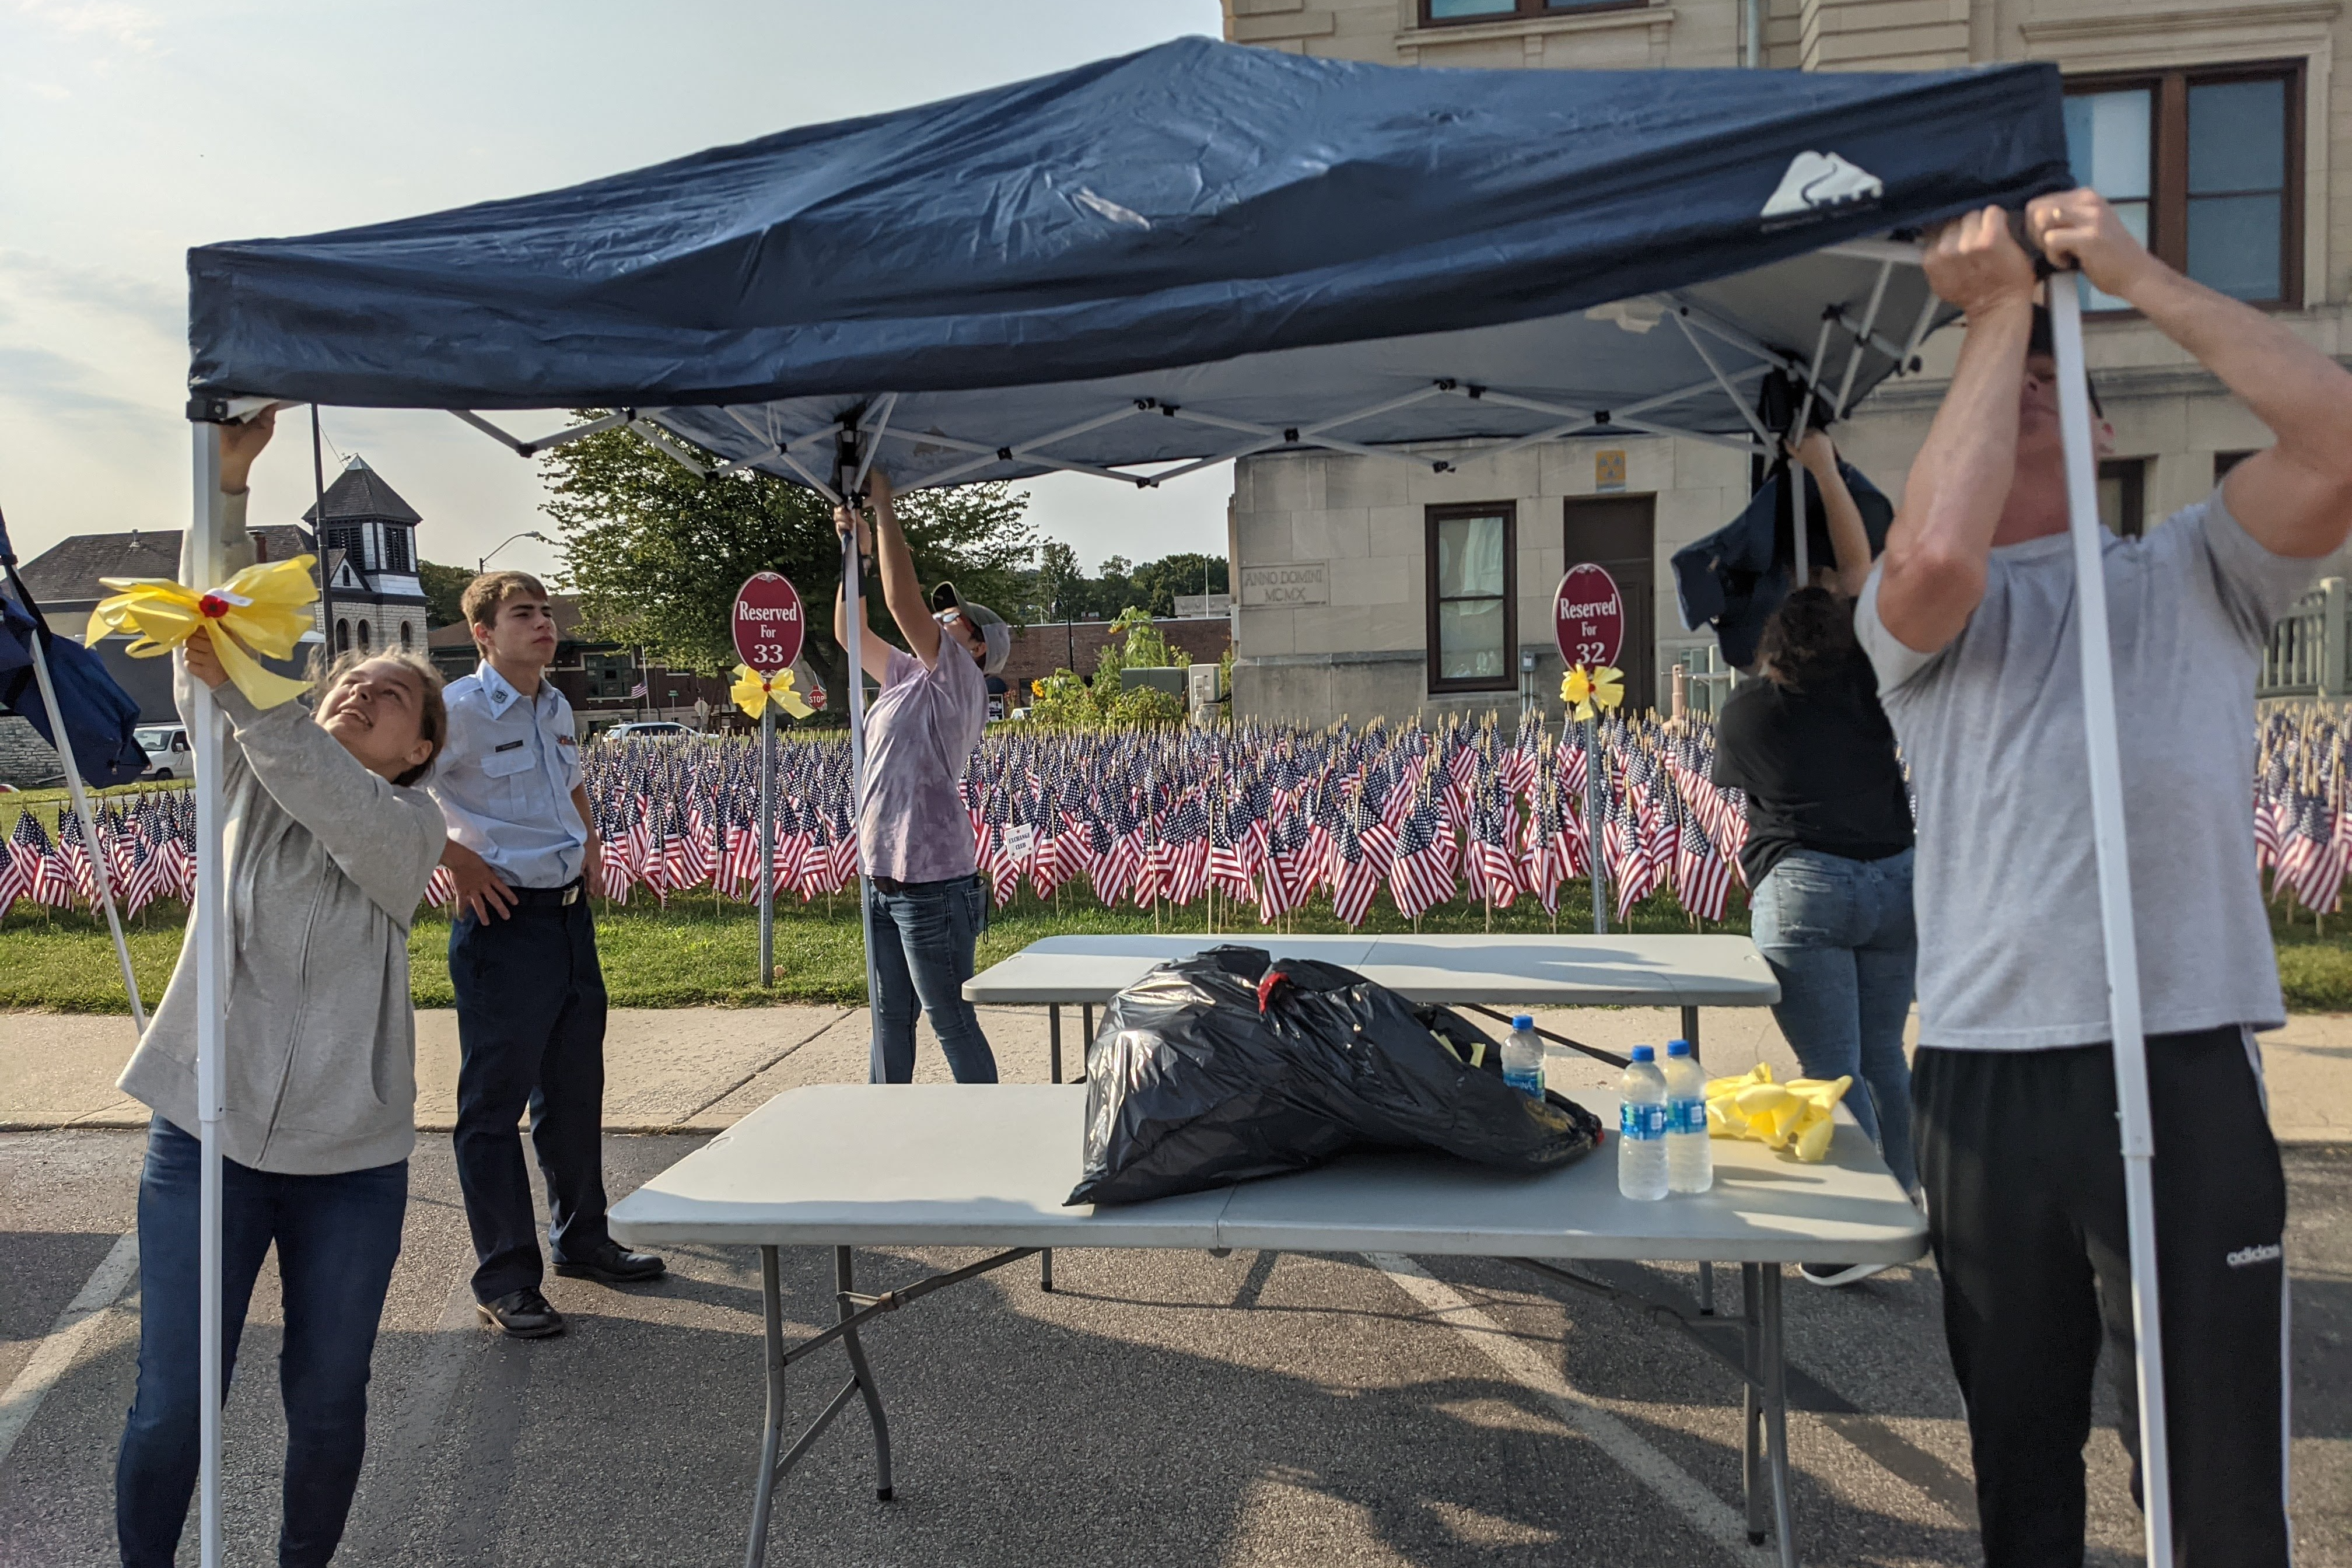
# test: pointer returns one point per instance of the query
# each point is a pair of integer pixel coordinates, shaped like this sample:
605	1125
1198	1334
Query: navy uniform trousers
531	1028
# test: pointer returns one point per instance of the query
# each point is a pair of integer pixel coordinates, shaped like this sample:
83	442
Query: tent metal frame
853	453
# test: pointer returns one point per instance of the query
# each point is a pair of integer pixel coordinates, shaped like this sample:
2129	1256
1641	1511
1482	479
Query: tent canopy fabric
1266	244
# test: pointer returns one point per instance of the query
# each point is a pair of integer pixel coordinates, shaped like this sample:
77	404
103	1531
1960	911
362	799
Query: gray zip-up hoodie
327	862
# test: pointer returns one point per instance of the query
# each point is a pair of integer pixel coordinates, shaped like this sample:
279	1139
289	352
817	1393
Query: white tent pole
2114	905
101	879
209	935
854	590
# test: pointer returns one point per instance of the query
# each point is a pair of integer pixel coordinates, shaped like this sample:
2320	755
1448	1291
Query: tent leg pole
212	1007
853	578
2115	914
100	877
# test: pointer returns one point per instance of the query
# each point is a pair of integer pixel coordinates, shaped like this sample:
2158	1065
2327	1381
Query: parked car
646	729
168	757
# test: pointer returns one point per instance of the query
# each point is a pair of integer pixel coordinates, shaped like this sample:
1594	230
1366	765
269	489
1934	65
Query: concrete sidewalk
699	1069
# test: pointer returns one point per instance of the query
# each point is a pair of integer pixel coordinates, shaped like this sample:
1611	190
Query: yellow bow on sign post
753	691
262	610
1587	689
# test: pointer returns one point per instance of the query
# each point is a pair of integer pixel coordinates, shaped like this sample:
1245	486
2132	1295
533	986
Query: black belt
571	892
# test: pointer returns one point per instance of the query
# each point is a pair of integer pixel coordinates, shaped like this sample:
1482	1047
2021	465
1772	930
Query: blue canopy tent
1197	253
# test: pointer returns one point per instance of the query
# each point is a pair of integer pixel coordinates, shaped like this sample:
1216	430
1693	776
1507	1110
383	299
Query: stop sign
1588	615
769	622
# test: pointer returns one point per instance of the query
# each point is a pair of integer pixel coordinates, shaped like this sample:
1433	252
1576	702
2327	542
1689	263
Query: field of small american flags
1463	826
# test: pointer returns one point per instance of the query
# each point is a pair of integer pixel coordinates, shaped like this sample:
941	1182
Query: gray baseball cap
947	601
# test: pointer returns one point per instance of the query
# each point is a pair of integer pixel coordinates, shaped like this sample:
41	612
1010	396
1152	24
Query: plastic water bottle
1641	1129
1690	1159
1523	1057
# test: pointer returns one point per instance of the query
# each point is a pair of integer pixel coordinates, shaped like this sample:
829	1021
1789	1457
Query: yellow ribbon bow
262	610
753	691
1585	689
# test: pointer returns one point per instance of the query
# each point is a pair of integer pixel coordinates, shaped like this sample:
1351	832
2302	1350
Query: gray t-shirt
911	822
2005	879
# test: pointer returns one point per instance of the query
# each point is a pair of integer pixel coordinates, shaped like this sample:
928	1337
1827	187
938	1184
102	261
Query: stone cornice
2280	14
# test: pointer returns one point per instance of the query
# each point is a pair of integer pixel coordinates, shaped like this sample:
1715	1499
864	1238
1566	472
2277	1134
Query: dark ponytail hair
1810	633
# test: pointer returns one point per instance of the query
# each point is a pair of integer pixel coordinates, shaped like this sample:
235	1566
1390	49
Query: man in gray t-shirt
914	836
1970	621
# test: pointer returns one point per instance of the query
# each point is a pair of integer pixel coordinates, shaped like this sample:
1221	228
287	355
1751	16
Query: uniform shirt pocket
505	771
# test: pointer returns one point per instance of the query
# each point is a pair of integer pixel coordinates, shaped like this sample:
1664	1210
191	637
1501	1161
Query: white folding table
989	1165
1466	971
1474	973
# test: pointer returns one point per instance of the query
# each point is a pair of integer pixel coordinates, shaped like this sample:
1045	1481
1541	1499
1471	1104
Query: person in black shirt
1829	839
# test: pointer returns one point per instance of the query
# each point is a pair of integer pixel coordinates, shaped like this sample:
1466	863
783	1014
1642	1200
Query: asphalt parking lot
1164	1407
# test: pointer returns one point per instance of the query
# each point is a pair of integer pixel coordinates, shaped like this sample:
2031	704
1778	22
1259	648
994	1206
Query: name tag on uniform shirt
510	746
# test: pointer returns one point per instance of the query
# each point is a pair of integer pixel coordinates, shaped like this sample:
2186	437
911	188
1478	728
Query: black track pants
2020	1154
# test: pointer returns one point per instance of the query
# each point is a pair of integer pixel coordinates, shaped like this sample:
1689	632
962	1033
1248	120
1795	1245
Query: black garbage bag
1226	1066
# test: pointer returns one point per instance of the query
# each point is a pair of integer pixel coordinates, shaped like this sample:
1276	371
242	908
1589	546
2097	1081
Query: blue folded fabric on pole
1735	577
101	720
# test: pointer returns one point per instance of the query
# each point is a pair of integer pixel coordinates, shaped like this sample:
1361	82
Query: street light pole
482	563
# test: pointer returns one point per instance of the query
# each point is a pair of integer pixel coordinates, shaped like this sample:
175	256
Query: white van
168	757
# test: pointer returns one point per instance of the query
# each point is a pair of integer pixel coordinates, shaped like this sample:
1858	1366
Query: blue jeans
924	933
337	1237
1839	936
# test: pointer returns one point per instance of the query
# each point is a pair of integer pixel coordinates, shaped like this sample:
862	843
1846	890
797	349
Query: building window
2205	167
608	675
2123	496
395	549
2224	461
342	635
365	646
1441	13
405	637
1473	598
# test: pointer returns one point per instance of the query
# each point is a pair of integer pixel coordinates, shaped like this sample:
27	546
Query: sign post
770	624
1588	616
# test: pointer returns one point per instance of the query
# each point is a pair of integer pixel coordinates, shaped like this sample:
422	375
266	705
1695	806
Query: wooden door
1620	533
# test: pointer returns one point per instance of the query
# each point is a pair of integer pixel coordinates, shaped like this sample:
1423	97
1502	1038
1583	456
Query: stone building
370	535
2214	126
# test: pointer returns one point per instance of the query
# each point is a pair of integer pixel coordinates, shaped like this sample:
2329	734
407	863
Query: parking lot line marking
62	1346
1706	1513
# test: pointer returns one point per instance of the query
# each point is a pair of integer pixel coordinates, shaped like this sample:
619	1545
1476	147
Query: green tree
1156	584
444	587
656	553
1061	585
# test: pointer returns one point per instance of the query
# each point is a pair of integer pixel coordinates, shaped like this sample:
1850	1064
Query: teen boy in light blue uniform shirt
522	962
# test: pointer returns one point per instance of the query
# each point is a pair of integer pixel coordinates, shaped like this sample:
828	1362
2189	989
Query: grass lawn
693	954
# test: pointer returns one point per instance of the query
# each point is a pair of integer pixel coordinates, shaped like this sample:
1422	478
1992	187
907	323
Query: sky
129	132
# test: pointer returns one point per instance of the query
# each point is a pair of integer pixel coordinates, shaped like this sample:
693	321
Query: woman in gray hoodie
328	848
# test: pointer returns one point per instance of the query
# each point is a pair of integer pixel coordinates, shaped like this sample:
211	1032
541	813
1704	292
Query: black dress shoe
523	1313
615	1265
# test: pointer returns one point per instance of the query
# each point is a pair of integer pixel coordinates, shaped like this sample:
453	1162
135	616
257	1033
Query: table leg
771	1435
1751	1408
842	1284
1054	1037
1776	1412
1705	1270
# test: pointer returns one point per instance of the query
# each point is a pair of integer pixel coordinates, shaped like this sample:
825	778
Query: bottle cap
1644	1054
1523	1021
1678	1047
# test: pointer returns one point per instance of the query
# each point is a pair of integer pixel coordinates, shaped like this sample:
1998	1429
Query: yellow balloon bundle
1796	1116
264	609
